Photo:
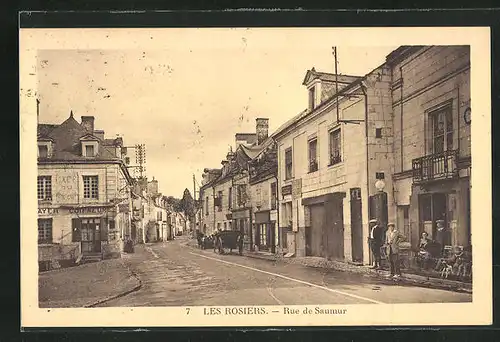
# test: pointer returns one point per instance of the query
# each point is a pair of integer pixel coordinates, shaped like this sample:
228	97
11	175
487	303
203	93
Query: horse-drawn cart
228	239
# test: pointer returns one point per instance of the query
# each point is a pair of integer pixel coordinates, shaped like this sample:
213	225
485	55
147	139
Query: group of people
388	239
215	241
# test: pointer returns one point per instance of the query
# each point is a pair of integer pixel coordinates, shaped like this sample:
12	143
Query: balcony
436	166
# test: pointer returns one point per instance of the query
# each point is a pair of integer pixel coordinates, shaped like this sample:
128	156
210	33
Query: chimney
88	123
261	128
99	134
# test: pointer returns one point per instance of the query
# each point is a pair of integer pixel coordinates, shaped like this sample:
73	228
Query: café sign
48	211
88	210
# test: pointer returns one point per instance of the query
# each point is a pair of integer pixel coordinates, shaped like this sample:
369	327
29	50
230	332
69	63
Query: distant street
174	274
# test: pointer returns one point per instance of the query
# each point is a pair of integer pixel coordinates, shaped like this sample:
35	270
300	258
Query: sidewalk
411	279
85	285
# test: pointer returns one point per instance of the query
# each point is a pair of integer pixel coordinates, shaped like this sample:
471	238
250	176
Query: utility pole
140	157
336	81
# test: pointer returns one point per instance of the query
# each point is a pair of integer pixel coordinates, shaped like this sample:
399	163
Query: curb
122	294
406	280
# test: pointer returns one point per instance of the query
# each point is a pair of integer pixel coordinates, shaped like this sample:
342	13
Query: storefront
242	222
265	231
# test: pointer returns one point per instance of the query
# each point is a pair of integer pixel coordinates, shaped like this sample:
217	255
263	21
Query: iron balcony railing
436	166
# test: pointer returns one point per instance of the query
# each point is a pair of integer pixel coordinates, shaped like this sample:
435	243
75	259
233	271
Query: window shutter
76	230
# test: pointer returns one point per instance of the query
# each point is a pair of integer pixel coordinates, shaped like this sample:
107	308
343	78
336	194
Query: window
241	195
43	151
44	188
263	235
335	152
378	133
206	206
288	163
219	207
442	130
44	230
404	219
90	187
313	158
273	196
230	198
312	95
89	150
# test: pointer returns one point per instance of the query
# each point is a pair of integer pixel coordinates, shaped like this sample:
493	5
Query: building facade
264	197
84	193
432	146
330	157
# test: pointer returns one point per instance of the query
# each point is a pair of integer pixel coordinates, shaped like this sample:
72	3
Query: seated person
424	254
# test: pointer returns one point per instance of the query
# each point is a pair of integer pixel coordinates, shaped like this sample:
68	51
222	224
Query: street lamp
380	185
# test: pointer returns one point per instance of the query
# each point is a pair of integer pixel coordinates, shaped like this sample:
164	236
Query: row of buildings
393	144
89	205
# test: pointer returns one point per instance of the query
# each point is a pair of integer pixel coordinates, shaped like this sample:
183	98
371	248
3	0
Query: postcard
206	177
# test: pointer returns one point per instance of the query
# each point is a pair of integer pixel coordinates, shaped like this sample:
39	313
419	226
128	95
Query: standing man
393	239
376	242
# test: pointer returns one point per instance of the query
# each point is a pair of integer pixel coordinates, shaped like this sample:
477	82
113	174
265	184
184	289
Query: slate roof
67	145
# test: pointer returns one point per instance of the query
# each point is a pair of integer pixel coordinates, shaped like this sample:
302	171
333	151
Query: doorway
334	232
433	207
356	225
316	230
91	235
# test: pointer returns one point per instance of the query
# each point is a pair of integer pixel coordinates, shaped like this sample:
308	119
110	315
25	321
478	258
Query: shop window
44	231
263	235
44	188
90	187
404	219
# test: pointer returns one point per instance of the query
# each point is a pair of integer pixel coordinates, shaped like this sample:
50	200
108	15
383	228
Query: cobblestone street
174	274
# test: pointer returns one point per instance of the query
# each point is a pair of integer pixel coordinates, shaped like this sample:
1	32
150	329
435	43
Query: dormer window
312	98
89	151
90	146
44	149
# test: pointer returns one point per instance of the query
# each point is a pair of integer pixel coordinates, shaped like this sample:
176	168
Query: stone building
226	193
330	157
263	166
84	193
432	146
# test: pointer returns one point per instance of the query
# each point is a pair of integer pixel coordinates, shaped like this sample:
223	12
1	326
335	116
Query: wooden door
335	230
356	225
317	230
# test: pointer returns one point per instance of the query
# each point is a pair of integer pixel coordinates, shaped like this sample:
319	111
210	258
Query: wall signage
286	190
48	211
87	210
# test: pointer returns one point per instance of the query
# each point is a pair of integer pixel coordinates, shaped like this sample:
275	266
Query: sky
186	98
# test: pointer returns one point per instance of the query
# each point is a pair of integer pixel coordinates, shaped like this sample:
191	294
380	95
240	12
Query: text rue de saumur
212	311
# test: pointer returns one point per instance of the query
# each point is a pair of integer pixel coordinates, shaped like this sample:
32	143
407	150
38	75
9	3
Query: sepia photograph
255	176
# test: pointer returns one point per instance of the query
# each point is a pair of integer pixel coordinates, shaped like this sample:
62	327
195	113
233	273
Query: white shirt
371	232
